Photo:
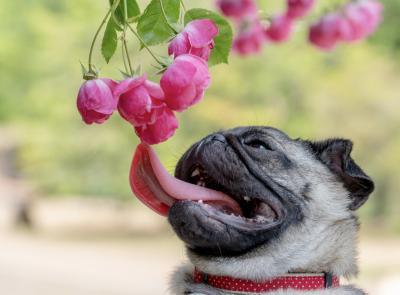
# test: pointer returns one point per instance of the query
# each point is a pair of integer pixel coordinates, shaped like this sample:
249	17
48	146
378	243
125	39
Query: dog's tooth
196	172
246	198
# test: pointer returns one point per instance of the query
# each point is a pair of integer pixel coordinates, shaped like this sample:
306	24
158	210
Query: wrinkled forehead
293	148
262	131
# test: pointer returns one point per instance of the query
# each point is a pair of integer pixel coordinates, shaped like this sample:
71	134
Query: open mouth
157	189
251	209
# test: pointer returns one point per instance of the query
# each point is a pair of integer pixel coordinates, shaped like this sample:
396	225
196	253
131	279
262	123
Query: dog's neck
333	250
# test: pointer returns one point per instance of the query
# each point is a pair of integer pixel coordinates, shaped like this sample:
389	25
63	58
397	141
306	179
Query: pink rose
360	18
96	101
160	130
280	29
298	8
373	11
140	101
250	38
197	39
356	22
237	8
326	33
185	81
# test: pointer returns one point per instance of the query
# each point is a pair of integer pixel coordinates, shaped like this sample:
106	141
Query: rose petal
154	90
201	32
280	29
129	84
185	81
161	130
179	45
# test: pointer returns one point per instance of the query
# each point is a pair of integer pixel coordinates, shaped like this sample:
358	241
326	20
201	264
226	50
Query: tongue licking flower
152	184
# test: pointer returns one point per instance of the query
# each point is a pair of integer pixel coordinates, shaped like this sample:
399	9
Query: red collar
304	282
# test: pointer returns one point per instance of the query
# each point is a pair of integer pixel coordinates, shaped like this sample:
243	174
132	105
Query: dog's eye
258	144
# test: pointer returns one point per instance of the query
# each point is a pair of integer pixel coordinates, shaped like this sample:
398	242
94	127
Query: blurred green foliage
353	92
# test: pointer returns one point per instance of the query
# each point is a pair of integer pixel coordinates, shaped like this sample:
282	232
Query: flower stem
127	52
94	40
183	5
125	11
145	45
124	59
103	22
125	45
166	17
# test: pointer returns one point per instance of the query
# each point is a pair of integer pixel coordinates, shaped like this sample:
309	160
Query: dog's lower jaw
182	284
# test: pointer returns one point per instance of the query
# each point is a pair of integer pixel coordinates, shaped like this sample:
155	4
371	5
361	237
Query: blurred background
68	221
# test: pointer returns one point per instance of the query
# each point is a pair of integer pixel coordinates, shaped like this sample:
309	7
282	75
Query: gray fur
324	241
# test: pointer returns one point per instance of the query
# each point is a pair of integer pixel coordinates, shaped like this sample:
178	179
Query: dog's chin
215	229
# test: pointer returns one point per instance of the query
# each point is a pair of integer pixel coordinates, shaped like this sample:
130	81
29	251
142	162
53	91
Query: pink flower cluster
251	34
356	21
148	106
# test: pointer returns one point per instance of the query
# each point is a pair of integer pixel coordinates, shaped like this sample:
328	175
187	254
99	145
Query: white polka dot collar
294	281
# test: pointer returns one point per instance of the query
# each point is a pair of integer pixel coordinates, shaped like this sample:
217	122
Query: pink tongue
153	185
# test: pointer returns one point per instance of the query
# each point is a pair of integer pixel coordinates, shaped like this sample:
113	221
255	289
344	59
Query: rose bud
160	130
96	101
356	22
249	39
298	8
197	38
361	19
326	33
280	29
373	11
185	81
237	8
139	101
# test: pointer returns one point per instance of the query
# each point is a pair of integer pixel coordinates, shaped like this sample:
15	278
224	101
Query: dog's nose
217	137
209	139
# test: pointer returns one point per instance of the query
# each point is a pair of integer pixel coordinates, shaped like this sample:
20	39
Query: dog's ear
335	153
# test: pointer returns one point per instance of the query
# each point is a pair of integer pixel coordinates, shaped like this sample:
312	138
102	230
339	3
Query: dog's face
273	178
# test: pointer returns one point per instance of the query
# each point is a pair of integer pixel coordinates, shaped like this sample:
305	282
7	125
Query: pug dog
278	215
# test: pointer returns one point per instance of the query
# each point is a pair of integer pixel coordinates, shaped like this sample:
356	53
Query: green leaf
110	40
223	42
133	11
152	26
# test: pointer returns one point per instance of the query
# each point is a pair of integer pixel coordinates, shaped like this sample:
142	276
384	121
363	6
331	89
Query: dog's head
280	183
